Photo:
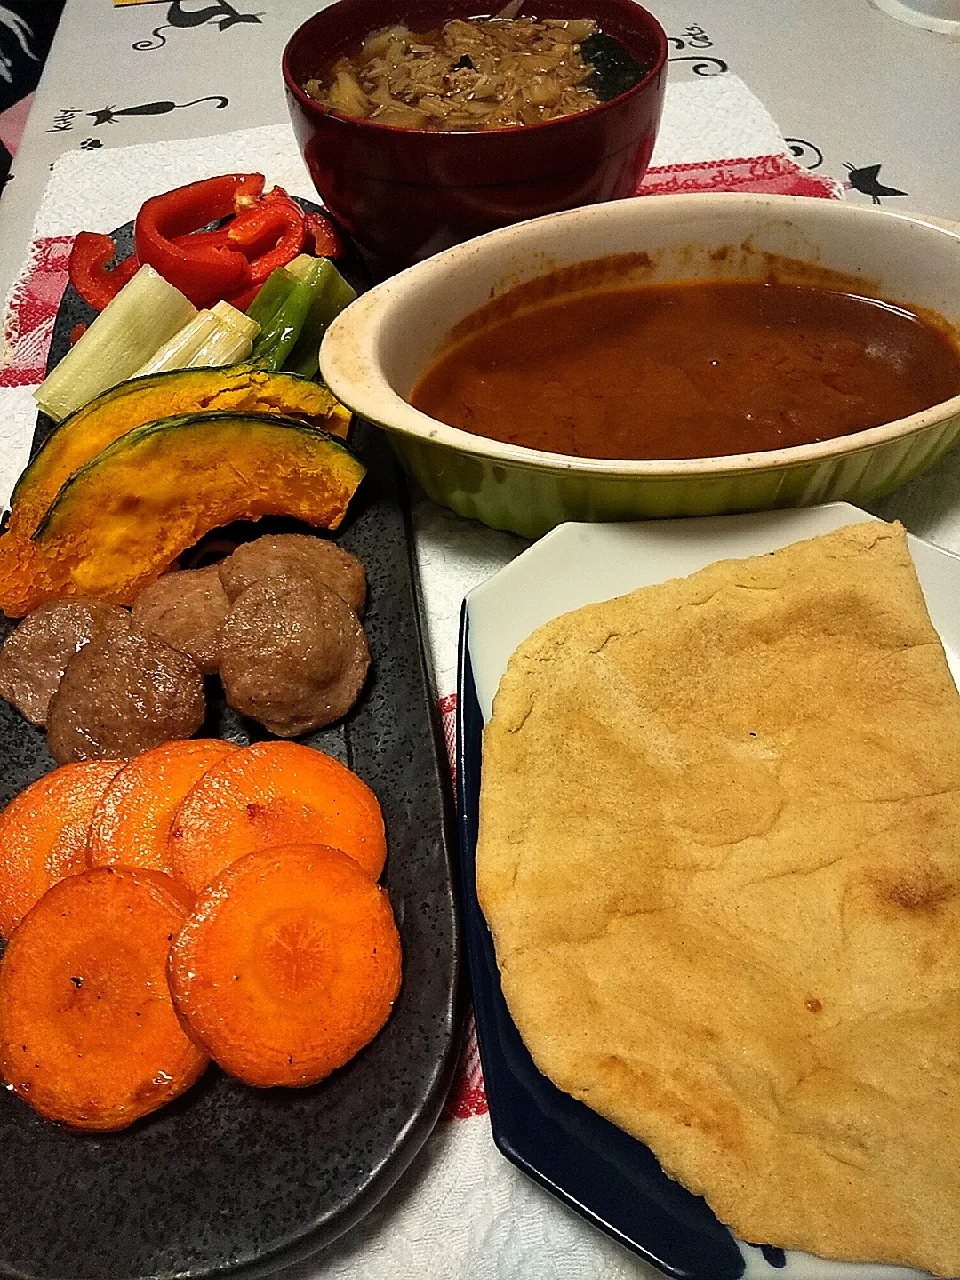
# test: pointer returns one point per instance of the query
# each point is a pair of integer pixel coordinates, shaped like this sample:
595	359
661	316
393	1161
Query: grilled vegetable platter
250	1165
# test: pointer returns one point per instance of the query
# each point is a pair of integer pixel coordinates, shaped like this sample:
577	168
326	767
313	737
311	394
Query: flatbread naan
719	854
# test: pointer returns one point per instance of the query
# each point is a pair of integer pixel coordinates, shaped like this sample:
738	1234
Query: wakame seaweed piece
613	70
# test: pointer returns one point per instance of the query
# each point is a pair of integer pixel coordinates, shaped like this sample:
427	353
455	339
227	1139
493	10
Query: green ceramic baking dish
375	350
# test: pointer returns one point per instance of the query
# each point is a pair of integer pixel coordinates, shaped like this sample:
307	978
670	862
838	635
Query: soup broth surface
690	370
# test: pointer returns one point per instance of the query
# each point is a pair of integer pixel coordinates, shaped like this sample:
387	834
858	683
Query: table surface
850	87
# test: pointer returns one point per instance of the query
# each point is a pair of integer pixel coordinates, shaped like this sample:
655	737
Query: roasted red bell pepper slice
206	270
260	232
279	216
90	272
323	235
271	234
212	239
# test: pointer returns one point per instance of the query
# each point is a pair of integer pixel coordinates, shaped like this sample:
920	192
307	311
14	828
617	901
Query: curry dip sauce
687	370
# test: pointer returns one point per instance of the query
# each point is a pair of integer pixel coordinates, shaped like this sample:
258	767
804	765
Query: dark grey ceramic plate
239	1181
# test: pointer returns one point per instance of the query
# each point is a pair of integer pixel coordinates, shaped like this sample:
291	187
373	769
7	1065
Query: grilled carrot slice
43	834
131	825
288	965
88	1034
270	794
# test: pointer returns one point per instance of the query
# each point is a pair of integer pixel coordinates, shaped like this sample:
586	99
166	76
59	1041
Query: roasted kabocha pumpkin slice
123	519
79	438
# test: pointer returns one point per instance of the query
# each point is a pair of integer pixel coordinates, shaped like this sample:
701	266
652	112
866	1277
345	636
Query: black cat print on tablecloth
110	115
866	180
219	14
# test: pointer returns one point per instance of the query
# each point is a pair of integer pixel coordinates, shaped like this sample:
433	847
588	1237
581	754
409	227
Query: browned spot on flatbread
923	891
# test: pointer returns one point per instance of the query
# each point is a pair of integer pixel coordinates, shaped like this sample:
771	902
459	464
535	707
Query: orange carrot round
288	965
131	825
270	794
43	834
88	1034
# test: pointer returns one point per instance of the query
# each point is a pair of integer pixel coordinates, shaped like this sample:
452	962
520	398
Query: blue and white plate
598	1169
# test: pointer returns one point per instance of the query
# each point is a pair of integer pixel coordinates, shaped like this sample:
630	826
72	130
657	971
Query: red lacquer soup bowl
404	194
